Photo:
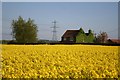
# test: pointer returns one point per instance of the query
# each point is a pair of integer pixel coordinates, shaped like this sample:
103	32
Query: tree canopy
82	37
24	31
82	31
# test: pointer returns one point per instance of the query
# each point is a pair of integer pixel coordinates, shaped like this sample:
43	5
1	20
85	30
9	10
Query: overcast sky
60	0
98	16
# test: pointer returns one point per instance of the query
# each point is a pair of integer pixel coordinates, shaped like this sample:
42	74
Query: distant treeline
49	42
38	42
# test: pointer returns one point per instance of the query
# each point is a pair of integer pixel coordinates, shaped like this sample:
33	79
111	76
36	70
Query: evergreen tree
80	38
82	31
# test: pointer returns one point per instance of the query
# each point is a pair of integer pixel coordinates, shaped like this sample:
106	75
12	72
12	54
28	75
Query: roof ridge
72	30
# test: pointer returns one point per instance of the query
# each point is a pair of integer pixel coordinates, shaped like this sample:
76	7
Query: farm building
78	36
114	41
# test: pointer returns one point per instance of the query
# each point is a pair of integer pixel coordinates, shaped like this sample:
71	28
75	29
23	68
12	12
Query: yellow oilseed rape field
59	61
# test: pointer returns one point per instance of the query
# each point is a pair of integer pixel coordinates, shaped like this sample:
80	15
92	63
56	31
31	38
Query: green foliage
80	38
81	31
83	38
90	31
4	41
90	38
24	31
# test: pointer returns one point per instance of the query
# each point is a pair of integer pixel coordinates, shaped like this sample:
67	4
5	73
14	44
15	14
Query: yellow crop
59	61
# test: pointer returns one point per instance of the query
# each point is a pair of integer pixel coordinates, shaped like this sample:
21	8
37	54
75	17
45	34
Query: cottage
77	36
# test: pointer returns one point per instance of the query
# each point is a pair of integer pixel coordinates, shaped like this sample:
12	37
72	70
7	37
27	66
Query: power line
54	37
112	30
108	31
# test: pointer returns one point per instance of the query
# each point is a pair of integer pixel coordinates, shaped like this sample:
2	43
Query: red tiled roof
70	33
115	40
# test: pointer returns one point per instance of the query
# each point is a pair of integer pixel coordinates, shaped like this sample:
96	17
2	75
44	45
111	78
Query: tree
80	36
102	37
90	38
24	31
83	37
81	31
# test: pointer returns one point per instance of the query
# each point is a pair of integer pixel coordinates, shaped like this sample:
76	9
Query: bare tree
102	37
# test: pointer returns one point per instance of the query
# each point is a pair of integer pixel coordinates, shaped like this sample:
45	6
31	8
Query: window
64	39
71	39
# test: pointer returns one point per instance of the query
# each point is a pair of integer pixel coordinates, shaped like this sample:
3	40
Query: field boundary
104	44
